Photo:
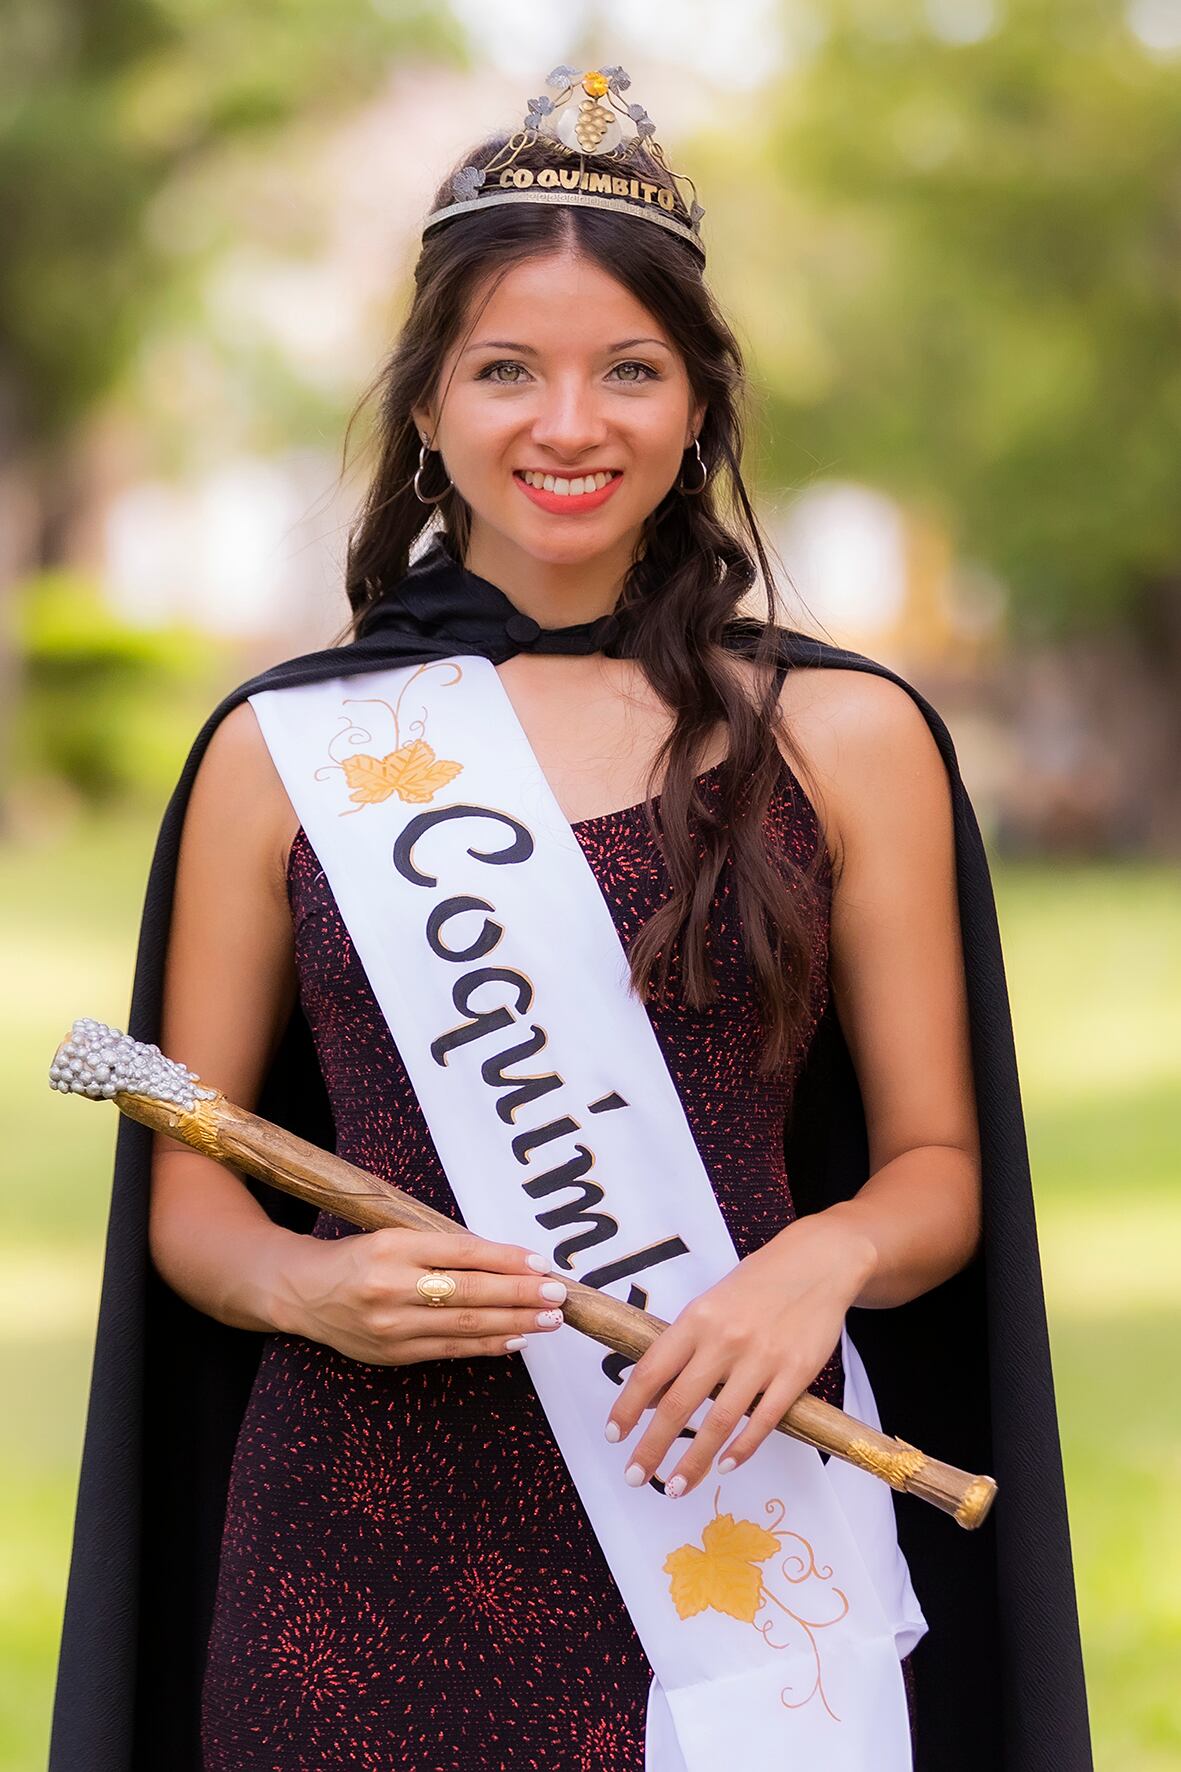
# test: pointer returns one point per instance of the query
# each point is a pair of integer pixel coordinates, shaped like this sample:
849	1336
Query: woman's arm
229	987
229	990
898	985
768	1326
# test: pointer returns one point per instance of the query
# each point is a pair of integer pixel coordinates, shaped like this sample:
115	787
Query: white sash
773	1603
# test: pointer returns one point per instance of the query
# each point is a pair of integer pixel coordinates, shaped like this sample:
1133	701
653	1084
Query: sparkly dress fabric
408	1579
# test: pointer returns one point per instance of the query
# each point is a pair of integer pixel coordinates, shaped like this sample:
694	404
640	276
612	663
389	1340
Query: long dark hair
692	571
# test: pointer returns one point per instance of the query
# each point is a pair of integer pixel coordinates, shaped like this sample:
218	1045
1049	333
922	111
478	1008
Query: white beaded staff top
606	169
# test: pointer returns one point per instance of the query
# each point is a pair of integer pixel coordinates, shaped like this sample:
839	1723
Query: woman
405	1572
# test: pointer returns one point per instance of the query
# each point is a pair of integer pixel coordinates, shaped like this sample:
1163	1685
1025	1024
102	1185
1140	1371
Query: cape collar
440	600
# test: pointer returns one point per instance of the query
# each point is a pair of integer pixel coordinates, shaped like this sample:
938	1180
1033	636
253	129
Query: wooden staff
101	1063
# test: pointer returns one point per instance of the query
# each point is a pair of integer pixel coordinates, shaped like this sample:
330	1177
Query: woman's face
565	374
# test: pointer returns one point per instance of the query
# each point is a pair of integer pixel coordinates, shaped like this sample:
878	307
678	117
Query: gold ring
436	1286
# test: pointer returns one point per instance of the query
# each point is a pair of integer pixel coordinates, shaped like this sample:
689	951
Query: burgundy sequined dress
408	1579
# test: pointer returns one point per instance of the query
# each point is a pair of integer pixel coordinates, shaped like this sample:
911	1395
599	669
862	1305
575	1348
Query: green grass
1094	964
1093	956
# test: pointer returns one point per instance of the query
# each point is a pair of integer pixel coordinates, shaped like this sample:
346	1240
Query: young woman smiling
406	1574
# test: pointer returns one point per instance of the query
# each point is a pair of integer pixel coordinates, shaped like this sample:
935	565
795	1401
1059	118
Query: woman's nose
570	421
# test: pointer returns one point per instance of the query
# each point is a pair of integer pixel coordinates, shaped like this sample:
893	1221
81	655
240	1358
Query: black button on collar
522	628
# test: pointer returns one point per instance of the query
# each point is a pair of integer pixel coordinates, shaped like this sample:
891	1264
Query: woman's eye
491	373
488	374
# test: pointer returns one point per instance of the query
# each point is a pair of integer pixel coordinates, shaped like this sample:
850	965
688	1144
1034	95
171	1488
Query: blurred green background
948	233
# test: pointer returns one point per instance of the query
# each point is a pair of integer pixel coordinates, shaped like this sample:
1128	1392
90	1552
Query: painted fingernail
549	1319
538	1263
726	1464
675	1486
516	1341
554	1289
613	1431
634	1475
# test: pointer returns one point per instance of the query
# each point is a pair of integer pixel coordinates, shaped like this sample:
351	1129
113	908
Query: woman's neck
557	594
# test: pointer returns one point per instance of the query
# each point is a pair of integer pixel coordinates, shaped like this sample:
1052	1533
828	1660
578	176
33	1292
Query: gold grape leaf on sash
409	769
412	772
725	1574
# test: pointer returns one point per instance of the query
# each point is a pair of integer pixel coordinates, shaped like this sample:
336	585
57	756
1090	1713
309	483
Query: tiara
609	173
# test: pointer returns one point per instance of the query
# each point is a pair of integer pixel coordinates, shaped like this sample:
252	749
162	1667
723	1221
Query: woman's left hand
769	1325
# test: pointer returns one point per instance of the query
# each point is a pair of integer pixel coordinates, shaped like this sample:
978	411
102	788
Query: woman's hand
357	1294
770	1325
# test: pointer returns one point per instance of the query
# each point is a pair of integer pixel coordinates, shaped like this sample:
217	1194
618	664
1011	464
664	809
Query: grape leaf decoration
412	772
725	1573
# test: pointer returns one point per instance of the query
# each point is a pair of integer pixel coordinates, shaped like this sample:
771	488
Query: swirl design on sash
410	770
724	1573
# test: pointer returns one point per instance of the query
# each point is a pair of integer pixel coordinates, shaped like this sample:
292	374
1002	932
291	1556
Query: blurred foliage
954	228
961	261
106	708
100	108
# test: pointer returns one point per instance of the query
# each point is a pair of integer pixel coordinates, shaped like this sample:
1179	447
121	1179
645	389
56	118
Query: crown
609	172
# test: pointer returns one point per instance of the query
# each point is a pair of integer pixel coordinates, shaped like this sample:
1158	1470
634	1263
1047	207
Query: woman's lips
565	504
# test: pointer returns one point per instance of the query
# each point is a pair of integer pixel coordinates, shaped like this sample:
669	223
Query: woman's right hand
357	1294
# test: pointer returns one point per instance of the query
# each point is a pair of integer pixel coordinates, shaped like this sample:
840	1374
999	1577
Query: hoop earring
692	491
419	494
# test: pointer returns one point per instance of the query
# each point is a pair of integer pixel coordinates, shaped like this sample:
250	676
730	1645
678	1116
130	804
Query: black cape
962	1371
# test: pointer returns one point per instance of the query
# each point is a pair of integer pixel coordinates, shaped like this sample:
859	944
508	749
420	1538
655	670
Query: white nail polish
612	1432
675	1486
549	1319
726	1464
516	1342
634	1475
554	1289
538	1263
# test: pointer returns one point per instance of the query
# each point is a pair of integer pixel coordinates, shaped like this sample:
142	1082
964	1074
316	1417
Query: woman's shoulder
237	796
869	749
846	692
236	752
856	706
856	734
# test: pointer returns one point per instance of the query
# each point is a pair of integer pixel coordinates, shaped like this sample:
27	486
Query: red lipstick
565	504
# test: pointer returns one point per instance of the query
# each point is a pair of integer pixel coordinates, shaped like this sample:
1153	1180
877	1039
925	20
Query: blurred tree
969	290
100	107
108	706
